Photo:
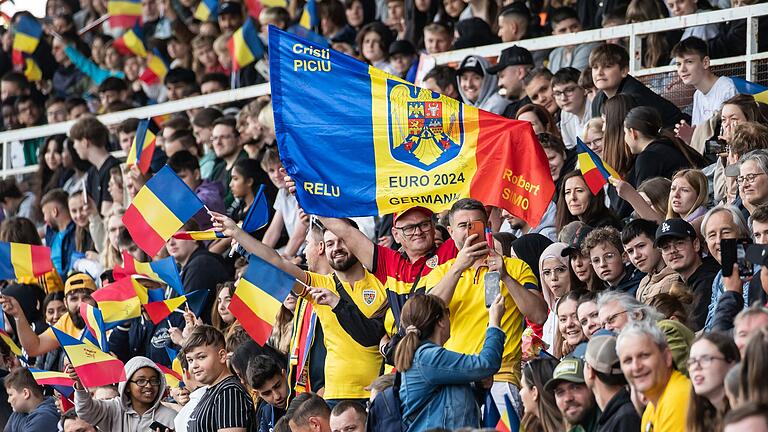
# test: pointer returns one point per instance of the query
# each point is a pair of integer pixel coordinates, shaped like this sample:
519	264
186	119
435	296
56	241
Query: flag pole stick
92	25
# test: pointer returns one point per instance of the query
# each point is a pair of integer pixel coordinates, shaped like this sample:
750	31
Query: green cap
570	369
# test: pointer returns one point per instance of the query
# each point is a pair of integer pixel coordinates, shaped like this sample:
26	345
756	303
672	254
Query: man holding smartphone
460	282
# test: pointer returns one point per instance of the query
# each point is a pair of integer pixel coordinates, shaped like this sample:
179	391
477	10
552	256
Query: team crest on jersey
369	296
425	128
432	262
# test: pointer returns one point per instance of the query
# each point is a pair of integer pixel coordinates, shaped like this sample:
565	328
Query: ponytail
646	120
420	316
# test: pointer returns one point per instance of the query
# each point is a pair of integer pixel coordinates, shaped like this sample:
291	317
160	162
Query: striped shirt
224	405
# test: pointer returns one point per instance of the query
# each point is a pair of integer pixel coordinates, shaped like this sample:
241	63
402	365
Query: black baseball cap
512	56
230	8
471	64
674	228
575	240
402	47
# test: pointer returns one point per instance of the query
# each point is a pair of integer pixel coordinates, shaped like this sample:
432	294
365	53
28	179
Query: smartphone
489	239
157	426
478	228
734	251
492	283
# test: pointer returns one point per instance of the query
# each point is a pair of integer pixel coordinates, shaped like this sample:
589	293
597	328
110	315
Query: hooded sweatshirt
488	98
116	414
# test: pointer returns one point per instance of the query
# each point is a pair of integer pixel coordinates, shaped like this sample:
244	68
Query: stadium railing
752	66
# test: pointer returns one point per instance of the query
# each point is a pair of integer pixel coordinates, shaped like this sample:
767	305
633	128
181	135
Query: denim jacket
436	390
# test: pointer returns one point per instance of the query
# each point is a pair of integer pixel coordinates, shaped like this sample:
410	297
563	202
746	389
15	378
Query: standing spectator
602	374
32	410
638	239
348	416
91	141
513	22
210	193
437	38
538	87
435	389
605	251
646	361
225	405
228	149
15	203
512	67
59	230
478	87
270	383
565	20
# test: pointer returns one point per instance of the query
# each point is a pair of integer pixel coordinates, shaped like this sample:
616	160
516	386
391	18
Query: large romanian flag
143	146
94	367
245	46
373	144
19	260
160	208
258	297
26	34
595	172
124	13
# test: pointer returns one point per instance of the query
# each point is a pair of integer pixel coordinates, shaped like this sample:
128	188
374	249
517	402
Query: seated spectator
569	328
712	356
646	361
576	202
565	20
588	315
605	251
55	110
747	322
373	41
592	135
478	87
180	82
348	416
610	72
538	88
126	132
574	399
540	119
751	416
603	375
638	239
435	389
181	140
442	79
573	234
213	82
688	7
32	410
16	203
575	108
225	139
557	280
513	22
541	411
138	405
688	196
753	368
512	67
70	422
682	252
113	90
202	125
438	38
402	55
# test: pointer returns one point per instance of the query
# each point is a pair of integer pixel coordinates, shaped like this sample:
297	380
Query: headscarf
555	250
529	248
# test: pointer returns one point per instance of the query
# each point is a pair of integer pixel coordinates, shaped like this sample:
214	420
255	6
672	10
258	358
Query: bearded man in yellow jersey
349	366
460	283
646	361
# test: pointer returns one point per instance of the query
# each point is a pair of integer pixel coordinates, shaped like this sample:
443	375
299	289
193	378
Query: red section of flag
143	234
257	328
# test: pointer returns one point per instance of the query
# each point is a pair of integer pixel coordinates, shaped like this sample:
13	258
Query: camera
714	147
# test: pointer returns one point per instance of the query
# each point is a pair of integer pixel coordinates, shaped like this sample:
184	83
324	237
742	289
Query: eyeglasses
611	319
410	230
596	141
703	361
566	92
142	382
610	256
675	245
747	179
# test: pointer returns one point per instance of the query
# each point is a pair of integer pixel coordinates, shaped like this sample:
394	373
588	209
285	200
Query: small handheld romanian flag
94	321
143	146
245	46
160	310
51	378
206	10
156	68
172	378
160	208
26	34
94	367
124	13
509	422
373	144
760	92
131	43
595	172
258	297
120	301
309	17
199	235
19	260
164	270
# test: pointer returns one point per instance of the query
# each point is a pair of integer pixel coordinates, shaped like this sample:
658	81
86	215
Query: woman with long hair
221	317
110	253
436	390
71	161
616	153
712	355
569	330
282	331
576	202
244	184
51	172
560	160
373	42
656	46
688	195
541	412
79	209
540	119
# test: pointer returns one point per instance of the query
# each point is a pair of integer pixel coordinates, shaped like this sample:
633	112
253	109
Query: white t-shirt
286	204
571	126
704	105
182	418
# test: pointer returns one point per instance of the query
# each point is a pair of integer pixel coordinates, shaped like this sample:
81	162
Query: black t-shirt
224	405
97	184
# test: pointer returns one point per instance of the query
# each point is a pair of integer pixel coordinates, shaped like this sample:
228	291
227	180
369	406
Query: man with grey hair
646	361
723	222
747	322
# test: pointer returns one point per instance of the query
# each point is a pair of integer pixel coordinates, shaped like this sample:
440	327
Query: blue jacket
67	246
44	418
436	390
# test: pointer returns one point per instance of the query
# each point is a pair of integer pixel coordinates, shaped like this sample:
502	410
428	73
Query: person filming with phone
460	283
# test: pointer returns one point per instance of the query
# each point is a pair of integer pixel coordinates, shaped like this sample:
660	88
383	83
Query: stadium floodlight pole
92	25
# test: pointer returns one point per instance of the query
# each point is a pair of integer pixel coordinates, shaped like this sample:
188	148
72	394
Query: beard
344	265
77	320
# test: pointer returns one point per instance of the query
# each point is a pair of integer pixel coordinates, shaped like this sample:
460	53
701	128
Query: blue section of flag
174	194
748	87
582	148
169	273
196	301
268	278
29	26
258	213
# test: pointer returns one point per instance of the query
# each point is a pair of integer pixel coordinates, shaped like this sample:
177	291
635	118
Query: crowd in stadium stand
638	306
